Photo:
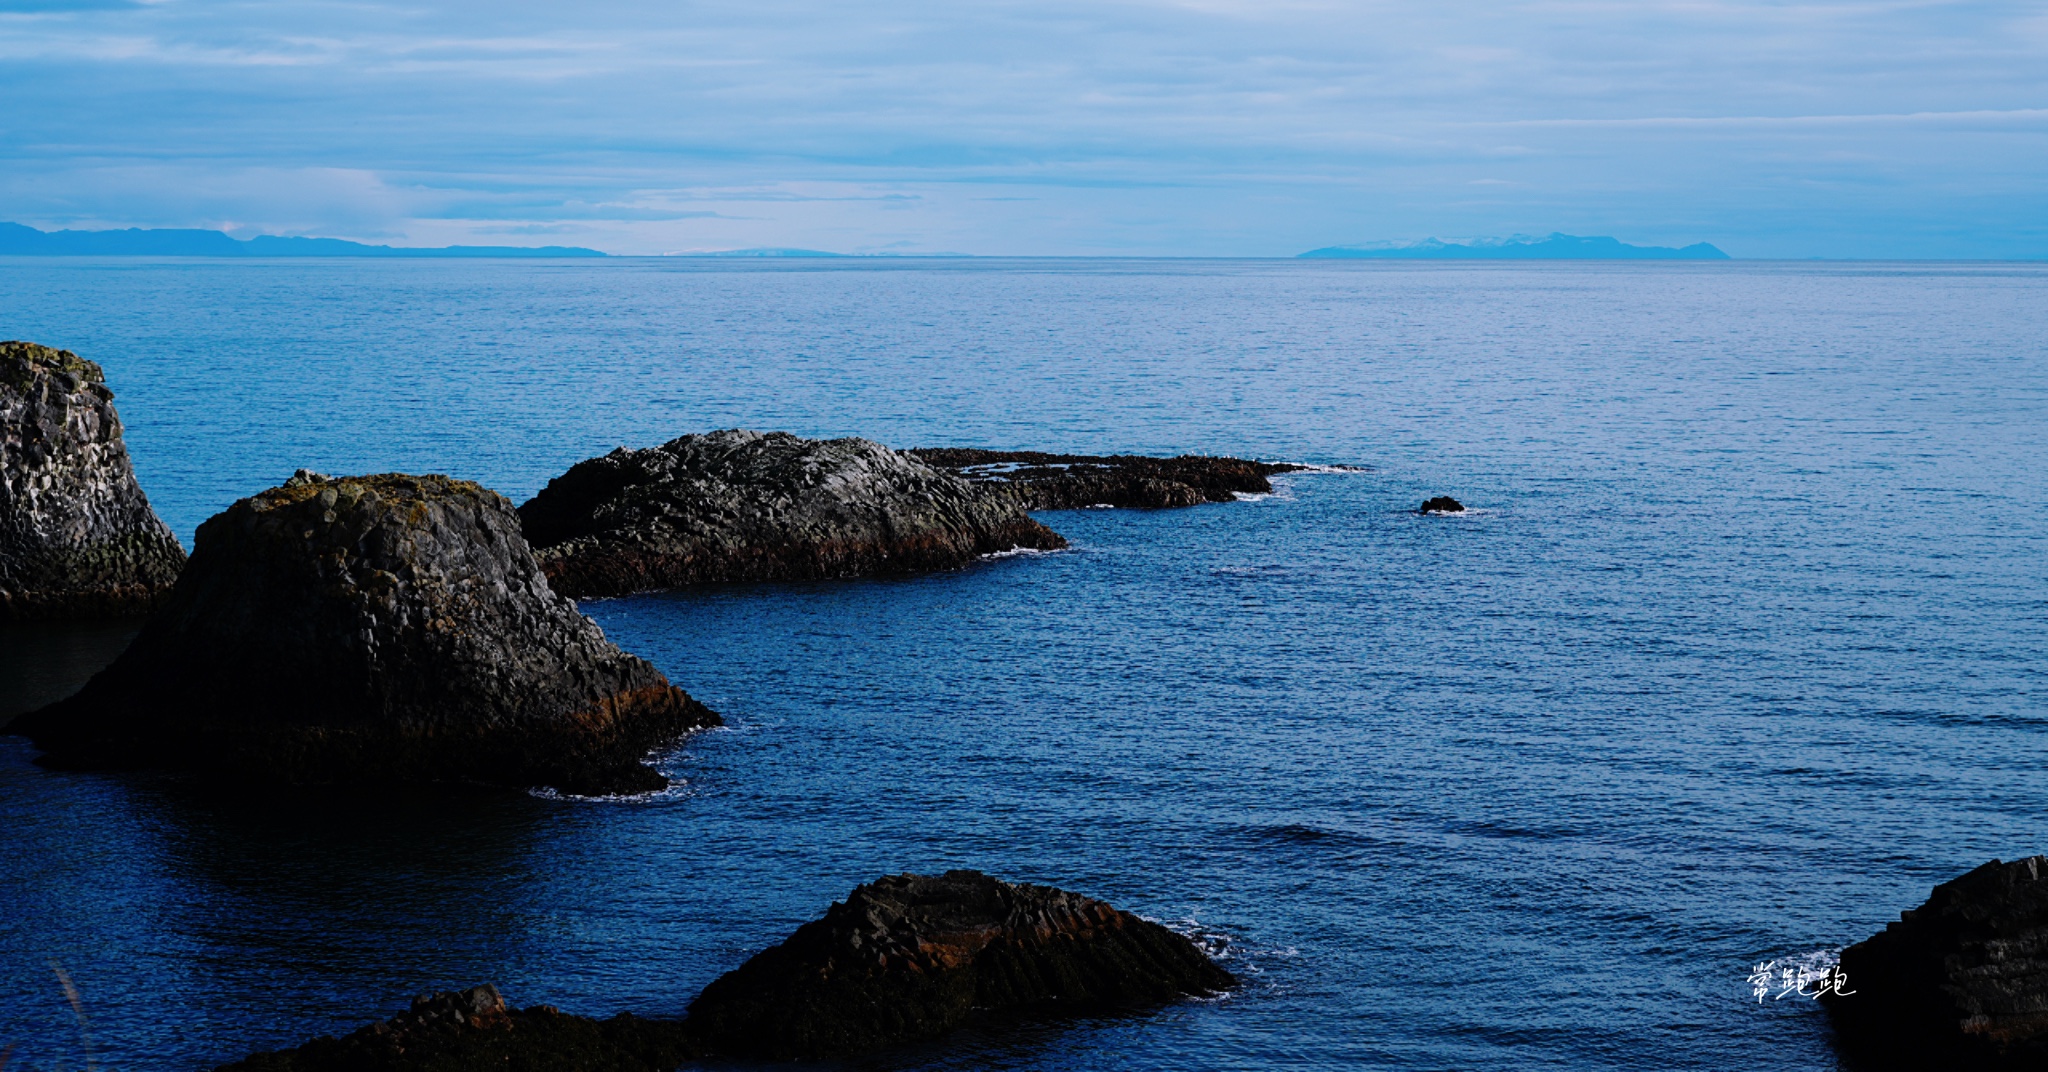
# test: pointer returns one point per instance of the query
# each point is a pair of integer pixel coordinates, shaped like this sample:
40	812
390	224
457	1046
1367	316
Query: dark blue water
1739	653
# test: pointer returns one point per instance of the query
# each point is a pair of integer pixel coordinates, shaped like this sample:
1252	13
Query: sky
1049	127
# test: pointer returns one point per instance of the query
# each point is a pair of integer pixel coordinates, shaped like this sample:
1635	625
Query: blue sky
1206	127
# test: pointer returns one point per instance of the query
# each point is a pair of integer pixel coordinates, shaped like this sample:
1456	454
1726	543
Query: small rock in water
914	956
77	536
1442	504
1960	982
385	628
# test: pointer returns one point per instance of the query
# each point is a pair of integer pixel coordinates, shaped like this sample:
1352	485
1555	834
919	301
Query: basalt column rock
1077	481
377	628
77	536
747	506
913	956
1960	982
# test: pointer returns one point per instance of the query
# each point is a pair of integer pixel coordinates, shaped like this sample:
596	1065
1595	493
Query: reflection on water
43	662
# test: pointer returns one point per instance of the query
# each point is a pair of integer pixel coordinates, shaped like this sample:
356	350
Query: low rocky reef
1077	481
383	628
78	538
474	1031
902	959
1960	982
750	506
1441	504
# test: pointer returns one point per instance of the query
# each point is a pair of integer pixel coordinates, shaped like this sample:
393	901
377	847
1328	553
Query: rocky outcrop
914	956
77	536
748	506
1960	982
473	1031
905	958
1077	481
1442	504
377	628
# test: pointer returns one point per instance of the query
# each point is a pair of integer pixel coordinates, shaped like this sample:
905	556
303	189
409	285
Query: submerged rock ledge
379	628
1076	481
750	506
904	958
77	536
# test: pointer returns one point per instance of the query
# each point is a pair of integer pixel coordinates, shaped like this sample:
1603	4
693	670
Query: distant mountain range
18	240
761	251
1523	247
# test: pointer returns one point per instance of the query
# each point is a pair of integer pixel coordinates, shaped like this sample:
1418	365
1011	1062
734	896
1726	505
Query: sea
1737	651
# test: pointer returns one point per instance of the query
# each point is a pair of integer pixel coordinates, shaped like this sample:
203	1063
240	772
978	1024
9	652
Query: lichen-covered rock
377	628
914	956
77	536
473	1031
747	506
1077	481
1960	982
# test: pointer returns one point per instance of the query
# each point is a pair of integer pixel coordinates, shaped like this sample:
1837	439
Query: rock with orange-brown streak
914	956
380	628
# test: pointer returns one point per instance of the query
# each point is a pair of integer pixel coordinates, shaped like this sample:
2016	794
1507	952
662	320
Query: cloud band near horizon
1194	128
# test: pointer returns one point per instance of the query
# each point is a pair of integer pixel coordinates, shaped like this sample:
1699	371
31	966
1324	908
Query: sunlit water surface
1740	650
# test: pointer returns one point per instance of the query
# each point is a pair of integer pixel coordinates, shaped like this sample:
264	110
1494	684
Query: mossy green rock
77	535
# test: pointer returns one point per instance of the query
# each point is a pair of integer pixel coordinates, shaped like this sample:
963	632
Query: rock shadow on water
43	662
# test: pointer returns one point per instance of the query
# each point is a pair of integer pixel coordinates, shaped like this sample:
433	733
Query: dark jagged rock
77	536
378	628
473	1031
1960	982
905	958
1077	481
913	956
1442	504
748	506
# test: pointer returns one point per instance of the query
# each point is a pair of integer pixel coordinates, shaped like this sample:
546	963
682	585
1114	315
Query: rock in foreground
905	958
1077	481
1442	504
473	1031
747	506
77	536
914	956
379	628
1960	982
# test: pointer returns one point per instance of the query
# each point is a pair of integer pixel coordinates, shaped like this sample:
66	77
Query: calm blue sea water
1740	652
